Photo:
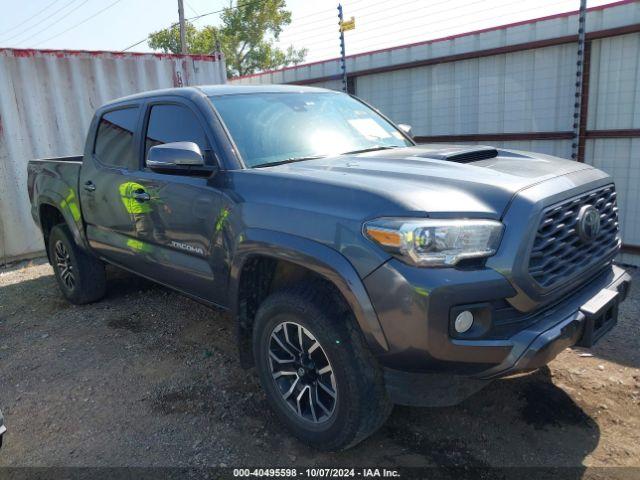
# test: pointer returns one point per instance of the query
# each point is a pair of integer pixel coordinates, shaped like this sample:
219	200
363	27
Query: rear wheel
319	377
81	277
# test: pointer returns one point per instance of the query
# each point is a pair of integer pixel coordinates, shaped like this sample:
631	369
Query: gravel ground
147	377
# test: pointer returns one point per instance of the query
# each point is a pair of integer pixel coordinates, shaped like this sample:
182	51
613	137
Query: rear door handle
142	196
89	186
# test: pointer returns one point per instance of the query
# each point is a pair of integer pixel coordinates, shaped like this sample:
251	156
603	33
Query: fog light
463	322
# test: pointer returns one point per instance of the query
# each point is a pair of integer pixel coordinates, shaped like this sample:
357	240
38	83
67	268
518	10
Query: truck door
106	169
175	225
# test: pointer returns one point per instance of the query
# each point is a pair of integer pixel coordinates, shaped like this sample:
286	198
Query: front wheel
318	375
81	277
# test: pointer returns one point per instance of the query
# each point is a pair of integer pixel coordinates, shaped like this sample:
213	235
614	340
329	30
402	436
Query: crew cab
360	270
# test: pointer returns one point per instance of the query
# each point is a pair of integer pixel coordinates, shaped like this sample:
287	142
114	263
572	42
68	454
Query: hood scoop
457	154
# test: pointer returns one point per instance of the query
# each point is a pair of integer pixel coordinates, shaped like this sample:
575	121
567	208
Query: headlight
435	242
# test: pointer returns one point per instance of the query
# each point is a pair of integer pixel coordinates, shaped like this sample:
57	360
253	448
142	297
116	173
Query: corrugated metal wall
527	91
614	103
620	157
614	93
47	99
515	87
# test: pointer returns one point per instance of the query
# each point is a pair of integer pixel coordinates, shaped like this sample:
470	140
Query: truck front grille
559	252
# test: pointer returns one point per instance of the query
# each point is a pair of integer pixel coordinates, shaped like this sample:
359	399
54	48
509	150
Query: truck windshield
272	128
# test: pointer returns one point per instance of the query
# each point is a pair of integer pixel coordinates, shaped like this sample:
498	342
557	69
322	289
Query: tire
360	405
84	280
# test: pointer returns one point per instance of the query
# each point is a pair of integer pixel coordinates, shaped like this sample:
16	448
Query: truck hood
436	179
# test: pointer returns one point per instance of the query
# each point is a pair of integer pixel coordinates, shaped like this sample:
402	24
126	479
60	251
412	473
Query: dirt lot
147	377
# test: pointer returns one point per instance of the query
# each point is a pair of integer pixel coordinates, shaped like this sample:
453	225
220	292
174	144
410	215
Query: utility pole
343	62
344	26
183	32
580	75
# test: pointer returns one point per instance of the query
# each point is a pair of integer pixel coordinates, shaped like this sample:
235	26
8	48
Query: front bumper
538	345
414	306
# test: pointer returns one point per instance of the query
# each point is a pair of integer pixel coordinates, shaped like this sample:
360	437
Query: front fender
319	258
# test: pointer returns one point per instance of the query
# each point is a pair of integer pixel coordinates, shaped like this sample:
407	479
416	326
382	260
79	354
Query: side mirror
177	157
406	129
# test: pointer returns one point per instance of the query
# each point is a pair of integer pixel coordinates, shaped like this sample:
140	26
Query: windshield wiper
314	157
288	160
371	149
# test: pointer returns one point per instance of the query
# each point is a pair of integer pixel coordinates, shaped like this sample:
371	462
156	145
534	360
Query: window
175	123
114	142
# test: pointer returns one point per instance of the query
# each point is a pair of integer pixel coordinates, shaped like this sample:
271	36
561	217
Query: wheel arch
260	247
54	209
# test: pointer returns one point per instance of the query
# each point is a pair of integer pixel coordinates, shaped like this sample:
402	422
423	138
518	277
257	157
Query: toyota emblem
588	223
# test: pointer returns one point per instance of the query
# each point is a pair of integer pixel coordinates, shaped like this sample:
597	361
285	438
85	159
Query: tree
247	36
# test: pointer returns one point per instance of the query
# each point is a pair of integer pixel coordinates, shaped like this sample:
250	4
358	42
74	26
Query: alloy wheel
302	372
64	265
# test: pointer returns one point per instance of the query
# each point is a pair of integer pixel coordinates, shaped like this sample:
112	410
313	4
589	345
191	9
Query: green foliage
246	36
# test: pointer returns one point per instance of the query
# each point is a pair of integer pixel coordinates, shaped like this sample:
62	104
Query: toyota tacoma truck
360	270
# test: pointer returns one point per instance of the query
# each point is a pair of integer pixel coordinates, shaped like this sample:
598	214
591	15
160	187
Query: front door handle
142	196
89	186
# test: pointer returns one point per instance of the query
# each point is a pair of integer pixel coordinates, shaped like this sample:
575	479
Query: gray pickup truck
360	270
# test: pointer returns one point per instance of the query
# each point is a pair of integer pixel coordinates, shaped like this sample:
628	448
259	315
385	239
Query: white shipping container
47	100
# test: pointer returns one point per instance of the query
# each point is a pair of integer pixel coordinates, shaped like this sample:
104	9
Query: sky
117	24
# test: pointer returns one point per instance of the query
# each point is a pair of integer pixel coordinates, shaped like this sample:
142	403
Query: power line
332	15
456	27
495	8
51	25
30	18
387	18
31	27
80	23
197	17
357	42
190	7
138	43
44	20
349	5
326	35
245	4
384	18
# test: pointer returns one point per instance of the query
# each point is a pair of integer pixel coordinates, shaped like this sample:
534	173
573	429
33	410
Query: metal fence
47	99
513	86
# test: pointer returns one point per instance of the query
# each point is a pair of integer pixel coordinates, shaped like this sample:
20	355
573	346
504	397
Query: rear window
114	141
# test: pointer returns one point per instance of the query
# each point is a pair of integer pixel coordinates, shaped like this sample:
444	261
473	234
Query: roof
212	90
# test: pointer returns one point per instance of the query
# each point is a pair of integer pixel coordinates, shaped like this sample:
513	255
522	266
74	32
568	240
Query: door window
175	123
114	141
